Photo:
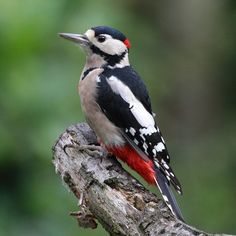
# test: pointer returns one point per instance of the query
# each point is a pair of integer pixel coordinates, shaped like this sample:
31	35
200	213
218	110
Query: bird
118	108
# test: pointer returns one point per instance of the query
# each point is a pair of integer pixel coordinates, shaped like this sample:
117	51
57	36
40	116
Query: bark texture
107	193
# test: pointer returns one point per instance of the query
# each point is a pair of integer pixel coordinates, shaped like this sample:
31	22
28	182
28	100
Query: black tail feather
168	196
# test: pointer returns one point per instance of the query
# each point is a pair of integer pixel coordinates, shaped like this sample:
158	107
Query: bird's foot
90	149
93	150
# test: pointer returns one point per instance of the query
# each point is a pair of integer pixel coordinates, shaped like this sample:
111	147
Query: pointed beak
77	38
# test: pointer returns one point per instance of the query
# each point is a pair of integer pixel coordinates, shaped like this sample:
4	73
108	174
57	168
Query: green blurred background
186	53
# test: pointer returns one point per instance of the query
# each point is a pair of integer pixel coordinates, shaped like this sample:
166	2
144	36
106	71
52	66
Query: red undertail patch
132	158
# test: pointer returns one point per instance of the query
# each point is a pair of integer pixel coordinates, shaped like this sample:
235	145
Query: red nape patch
127	43
133	159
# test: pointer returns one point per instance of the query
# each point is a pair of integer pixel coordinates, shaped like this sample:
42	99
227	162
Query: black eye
101	38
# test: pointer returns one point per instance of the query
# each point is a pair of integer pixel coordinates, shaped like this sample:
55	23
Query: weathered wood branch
108	193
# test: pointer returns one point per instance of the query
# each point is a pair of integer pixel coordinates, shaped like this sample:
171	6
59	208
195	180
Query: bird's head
103	44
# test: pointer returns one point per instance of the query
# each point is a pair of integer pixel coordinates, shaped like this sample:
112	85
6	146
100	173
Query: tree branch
108	193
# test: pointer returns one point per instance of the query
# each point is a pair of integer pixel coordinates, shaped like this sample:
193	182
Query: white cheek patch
110	46
114	46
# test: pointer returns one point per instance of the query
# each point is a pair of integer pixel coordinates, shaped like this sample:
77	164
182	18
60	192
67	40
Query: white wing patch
136	141
148	131
144	118
162	139
132	131
159	147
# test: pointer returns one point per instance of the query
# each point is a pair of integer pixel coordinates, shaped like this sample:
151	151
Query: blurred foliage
186	53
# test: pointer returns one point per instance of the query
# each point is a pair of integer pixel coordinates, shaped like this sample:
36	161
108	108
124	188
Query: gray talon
91	150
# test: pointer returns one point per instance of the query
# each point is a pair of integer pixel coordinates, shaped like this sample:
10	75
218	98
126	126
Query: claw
74	146
91	150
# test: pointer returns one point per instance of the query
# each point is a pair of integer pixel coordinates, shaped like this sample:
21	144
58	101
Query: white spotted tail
167	194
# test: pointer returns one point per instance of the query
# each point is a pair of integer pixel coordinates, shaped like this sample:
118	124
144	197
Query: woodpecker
117	107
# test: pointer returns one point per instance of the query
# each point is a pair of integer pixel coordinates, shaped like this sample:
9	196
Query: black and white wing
124	99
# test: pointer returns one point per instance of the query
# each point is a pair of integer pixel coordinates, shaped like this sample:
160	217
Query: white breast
109	134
